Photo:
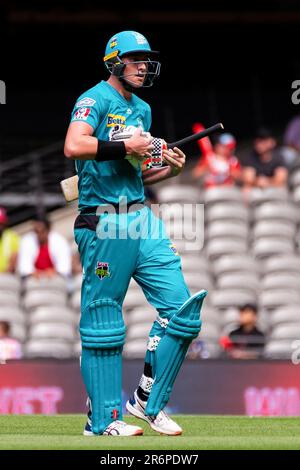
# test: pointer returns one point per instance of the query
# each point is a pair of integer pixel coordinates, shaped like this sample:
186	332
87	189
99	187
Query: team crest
102	270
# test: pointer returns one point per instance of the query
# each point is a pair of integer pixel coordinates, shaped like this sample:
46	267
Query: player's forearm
84	147
154	175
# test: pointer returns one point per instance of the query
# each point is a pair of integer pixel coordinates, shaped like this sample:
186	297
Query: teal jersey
104	108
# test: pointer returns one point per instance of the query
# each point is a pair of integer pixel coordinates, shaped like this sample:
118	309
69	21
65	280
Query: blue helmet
125	43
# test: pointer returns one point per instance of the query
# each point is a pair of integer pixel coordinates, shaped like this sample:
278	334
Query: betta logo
115	119
2	92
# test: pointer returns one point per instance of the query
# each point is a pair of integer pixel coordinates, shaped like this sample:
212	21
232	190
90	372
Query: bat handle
199	135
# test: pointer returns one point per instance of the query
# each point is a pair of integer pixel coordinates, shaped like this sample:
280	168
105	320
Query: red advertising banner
253	388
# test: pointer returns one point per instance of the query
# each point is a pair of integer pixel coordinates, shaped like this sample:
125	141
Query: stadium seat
139	330
295	178
9	282
53	314
210	332
222	194
12	314
266	247
57	349
258	196
194	264
241	280
219	247
289	263
18	331
56	283
284	315
267	229
276	212
278	349
141	315
77	282
9	298
234	264
48	330
135	349
210	315
224	299
289	331
133	284
178	192
219	229
38	298
75	300
280	281
197	281
226	212
134	298
274	298
77	350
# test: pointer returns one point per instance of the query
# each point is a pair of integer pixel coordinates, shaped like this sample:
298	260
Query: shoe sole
138	414
91	434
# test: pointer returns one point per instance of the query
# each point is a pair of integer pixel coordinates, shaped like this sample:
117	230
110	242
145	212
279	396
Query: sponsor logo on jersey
102	270
85	102
82	113
115	119
174	249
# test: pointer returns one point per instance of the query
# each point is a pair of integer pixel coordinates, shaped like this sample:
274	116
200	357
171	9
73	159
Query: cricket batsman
109	139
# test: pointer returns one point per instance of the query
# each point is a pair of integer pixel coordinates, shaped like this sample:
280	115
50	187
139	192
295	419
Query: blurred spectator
247	341
10	348
218	165
44	252
291	142
9	245
264	166
198	349
76	263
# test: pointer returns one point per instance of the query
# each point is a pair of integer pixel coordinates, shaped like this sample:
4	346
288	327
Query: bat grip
199	135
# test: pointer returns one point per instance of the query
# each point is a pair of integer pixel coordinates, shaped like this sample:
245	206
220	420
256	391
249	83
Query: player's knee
102	325
186	323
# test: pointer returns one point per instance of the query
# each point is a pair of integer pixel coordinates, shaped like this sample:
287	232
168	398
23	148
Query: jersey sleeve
88	108
148	119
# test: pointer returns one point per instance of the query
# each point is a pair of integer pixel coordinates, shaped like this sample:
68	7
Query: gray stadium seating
222	194
224	299
223	229
258	196
58	349
38	298
50	330
266	247
265	229
219	247
175	192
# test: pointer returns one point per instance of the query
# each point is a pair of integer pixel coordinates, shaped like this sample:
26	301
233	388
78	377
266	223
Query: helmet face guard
117	67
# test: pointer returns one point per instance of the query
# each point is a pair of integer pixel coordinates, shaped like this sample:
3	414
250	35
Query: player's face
136	68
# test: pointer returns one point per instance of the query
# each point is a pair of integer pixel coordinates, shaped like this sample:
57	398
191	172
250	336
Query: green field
200	432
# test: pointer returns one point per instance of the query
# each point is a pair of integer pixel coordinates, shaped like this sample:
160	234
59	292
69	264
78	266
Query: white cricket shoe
162	423
116	428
